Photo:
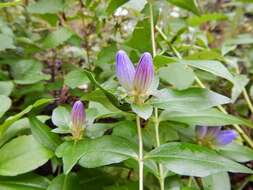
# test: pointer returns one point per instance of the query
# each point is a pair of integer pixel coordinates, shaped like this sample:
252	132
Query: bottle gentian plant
214	136
78	120
136	81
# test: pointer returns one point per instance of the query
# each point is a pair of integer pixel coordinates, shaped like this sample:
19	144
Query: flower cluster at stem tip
78	117
214	136
136	81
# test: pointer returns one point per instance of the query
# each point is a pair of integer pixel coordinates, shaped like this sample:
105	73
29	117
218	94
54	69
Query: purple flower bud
125	70
144	74
212	132
78	115
225	137
201	131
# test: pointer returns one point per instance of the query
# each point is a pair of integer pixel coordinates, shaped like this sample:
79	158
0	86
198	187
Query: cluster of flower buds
136	81
209	136
78	120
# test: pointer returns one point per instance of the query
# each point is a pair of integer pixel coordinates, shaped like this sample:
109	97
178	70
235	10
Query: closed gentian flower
78	119
137	81
214	135
144	74
201	131
125	70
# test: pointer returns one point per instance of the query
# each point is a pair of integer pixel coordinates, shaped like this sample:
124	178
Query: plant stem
152	29
245	94
160	166
161	174
140	159
202	85
190	181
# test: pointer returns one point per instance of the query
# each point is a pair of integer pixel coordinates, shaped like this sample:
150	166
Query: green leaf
21	155
193	160
28	72
19	127
231	44
140	35
6	42
57	38
43	135
5	103
24	182
128	186
45	7
98	129
217	181
95	178
6	87
61	117
107	54
76	78
178	75
108	150
202	55
113	5
65	182
10	120
210	117
240	39
113	99
240	81
143	110
161	60
9	4
198	20
193	99
237	152
214	67
189	5
71	152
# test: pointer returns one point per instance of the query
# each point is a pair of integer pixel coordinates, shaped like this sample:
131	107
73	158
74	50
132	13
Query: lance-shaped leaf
193	160
210	117
193	99
108	150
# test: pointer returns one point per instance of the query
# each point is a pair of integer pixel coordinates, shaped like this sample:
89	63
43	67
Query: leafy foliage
55	53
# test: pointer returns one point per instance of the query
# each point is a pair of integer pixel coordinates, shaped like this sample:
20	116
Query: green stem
161	174
152	29
245	94
202	85
140	158
190	181
160	166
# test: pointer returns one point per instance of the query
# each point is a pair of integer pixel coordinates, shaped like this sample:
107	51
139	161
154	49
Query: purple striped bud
78	115
144	74
212	132
225	137
125	70
201	131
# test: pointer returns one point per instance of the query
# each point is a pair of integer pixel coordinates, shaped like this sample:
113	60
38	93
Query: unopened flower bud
144	74
78	119
125	70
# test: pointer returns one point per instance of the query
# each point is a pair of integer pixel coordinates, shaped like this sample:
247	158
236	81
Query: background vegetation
54	52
